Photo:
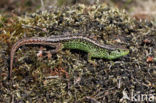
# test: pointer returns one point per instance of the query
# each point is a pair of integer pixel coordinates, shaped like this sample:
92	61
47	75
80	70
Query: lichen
76	79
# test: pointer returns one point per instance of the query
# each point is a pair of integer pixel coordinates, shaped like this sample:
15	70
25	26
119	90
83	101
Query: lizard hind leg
58	47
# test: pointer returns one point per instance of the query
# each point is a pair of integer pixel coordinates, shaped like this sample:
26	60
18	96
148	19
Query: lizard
79	42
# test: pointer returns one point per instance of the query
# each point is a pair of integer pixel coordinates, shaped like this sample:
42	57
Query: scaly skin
94	49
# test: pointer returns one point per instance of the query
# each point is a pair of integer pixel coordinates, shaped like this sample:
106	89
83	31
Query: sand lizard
94	49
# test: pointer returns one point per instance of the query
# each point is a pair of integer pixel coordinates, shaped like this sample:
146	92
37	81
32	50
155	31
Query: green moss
78	80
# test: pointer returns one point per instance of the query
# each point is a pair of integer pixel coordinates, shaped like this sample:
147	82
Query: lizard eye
118	50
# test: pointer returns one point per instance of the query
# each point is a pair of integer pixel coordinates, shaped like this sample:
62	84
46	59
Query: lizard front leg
90	60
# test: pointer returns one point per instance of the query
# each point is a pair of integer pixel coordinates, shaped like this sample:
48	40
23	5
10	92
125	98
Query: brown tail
26	41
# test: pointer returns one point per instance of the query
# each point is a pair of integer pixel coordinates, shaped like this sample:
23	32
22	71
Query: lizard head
117	53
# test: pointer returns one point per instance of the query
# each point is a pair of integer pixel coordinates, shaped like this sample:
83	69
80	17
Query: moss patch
72	78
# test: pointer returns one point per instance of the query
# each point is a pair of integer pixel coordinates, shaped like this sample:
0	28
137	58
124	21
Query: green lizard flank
95	51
